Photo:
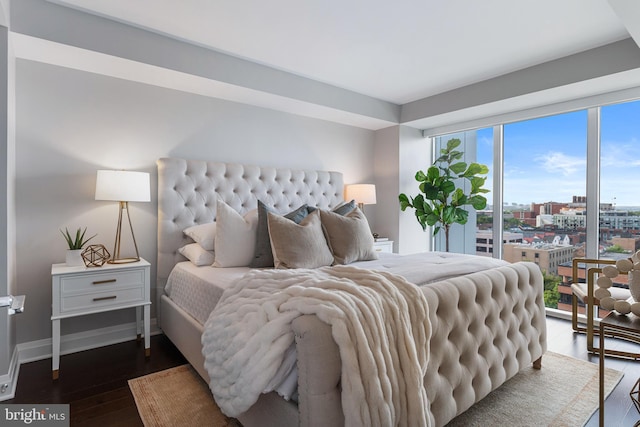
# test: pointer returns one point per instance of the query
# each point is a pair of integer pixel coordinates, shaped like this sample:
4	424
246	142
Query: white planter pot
74	258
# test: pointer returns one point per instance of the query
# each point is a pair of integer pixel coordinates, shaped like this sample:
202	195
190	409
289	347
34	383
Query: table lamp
123	187
363	194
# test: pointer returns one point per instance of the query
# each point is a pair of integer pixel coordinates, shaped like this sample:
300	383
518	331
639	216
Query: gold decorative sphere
95	255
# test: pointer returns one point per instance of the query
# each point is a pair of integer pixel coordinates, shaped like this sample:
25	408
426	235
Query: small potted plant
75	243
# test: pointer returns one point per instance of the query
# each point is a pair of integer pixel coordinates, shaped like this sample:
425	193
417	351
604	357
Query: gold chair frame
590	303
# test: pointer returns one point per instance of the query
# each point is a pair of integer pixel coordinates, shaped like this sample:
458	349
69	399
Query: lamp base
116	259
123	260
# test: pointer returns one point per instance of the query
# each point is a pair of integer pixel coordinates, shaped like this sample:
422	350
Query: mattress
198	289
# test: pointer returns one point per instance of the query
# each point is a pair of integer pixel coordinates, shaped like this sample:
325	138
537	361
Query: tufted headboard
188	190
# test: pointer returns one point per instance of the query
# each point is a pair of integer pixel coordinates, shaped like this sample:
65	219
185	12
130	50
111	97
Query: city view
544	186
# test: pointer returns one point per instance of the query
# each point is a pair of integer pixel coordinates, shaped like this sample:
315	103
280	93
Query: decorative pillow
196	254
298	245
235	240
205	234
349	236
345	208
342	209
263	257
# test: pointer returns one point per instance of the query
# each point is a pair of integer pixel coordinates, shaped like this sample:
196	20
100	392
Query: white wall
400	151
71	123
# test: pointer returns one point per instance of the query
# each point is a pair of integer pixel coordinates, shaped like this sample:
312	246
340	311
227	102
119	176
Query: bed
485	326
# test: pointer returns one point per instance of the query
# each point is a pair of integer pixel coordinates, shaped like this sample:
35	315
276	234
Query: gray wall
71	123
400	151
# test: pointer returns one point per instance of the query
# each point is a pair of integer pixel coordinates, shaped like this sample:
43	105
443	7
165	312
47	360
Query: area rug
563	393
177	397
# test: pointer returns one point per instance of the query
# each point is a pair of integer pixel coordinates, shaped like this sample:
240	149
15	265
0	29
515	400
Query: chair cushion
580	290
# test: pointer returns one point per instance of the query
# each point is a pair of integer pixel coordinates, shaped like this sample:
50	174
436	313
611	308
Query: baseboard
9	381
71	343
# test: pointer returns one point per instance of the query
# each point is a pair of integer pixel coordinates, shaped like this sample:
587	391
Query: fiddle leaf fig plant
440	201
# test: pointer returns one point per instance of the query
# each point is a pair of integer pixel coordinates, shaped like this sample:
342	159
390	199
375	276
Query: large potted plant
440	201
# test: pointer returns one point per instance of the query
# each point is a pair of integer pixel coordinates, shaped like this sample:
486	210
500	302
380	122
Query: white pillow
197	254
235	240
205	234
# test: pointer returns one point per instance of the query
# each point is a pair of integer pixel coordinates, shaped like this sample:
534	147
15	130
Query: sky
545	158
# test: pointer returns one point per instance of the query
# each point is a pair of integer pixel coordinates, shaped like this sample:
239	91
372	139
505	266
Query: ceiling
398	51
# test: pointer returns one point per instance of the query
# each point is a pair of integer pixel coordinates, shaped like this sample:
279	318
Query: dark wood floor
94	382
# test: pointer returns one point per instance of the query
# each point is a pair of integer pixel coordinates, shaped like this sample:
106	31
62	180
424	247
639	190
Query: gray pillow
345	208
342	209
349	236
298	245
262	256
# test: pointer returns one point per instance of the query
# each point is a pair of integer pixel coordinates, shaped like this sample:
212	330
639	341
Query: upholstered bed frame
187	192
487	326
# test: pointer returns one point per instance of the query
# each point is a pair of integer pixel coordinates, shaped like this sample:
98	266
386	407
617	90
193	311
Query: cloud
486	141
557	162
615	153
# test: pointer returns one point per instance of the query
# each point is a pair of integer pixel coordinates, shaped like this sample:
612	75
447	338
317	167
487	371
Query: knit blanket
378	320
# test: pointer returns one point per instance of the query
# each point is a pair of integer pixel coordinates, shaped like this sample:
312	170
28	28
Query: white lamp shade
123	186
362	193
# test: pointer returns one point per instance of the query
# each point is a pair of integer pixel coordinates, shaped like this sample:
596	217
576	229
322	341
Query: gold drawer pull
102	282
105	298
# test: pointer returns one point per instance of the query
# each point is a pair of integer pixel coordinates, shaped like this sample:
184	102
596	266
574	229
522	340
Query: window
477	146
549	207
544	175
619	161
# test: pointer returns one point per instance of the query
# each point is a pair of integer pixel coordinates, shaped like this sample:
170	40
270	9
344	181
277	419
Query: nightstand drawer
383	246
101	282
95	300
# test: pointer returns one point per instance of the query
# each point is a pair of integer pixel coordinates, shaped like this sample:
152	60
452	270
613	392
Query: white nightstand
77	291
383	246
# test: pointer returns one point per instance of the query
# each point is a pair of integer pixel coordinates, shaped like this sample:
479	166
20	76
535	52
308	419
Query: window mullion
498	187
593	182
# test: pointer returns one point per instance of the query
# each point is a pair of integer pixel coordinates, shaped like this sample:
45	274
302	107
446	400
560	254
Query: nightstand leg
55	359
138	323
147	330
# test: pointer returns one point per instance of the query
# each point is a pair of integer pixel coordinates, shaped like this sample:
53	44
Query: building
620	222
484	241
547	256
570	220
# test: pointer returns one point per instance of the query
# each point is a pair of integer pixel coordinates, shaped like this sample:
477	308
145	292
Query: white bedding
198	289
